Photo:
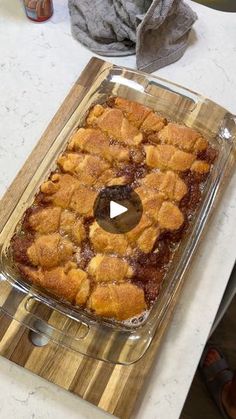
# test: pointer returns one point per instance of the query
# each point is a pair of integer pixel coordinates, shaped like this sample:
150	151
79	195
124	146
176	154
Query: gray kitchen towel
156	30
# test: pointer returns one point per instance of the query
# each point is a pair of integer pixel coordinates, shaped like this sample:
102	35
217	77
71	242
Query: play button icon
118	209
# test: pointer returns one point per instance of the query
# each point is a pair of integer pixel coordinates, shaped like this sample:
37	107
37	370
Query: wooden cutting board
114	388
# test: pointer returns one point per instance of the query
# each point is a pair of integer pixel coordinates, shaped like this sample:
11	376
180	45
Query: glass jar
38	10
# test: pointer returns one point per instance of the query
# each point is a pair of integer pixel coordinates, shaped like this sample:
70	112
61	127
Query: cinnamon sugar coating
61	248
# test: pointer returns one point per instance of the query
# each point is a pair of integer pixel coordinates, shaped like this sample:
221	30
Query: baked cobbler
61	248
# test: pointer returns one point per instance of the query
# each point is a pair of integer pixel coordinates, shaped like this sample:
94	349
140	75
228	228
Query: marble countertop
38	65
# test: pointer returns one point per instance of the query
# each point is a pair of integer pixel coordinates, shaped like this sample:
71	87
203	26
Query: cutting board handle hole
37	339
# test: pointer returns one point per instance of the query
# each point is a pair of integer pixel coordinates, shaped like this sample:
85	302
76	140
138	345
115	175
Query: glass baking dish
74	328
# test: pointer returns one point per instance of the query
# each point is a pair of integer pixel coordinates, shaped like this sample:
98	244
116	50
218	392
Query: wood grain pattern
114	388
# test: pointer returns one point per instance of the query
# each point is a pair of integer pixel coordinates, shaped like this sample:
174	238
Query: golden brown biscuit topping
61	248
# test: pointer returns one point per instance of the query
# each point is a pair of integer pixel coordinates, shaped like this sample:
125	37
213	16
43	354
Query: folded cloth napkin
156	30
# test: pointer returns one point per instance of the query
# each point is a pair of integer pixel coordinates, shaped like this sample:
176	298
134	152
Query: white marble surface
38	65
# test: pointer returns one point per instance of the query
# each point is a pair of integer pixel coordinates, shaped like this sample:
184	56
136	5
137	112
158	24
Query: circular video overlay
118	209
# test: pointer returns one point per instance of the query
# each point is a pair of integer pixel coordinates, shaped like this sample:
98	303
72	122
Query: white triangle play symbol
116	209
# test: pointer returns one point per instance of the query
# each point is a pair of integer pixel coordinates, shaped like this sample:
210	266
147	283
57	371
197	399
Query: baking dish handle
166	91
89	338
227	131
27	309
